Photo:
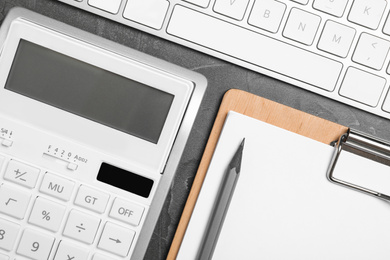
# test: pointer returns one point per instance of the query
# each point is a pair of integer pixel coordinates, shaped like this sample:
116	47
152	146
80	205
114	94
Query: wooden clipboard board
262	109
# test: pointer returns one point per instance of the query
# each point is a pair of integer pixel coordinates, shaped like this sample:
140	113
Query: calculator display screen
88	91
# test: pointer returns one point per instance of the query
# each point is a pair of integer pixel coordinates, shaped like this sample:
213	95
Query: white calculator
91	134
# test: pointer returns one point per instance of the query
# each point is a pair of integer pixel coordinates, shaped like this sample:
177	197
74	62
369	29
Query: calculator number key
8	233
116	239
22	174
35	245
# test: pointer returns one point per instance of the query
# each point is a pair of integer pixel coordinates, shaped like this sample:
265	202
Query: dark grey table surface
221	76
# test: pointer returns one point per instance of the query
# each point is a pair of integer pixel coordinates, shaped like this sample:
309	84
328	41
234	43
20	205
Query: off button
126	211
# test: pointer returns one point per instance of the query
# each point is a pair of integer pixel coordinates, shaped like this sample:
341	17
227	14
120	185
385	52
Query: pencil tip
236	161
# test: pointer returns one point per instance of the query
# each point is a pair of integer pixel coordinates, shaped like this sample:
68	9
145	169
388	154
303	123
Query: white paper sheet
283	206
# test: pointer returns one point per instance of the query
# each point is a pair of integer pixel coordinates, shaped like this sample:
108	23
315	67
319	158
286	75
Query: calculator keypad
48	216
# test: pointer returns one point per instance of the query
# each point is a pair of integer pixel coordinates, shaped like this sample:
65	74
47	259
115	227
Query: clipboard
283	117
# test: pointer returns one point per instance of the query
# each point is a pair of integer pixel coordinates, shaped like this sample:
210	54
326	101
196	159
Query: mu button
57	187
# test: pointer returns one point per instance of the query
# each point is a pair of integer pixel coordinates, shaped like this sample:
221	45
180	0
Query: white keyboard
47	216
336	48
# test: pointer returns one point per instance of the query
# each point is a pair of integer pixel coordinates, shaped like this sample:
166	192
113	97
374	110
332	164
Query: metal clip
363	145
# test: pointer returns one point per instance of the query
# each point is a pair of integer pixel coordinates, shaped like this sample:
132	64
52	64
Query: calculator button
72	166
47	214
3	257
7	143
81	226
116	239
57	186
35	245
22	174
126	211
8	233
101	257
69	251
14	202
92	199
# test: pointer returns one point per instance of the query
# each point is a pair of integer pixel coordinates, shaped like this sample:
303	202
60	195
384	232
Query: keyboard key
14	202
332	7
3	257
47	214
267	15
81	226
301	26
386	28
362	86
386	104
69	251
367	13
270	53
8	234
371	51
201	3
22	174
35	245
92	199
116	239
57	187
147	12
111	6
126	211
232	8
336	38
